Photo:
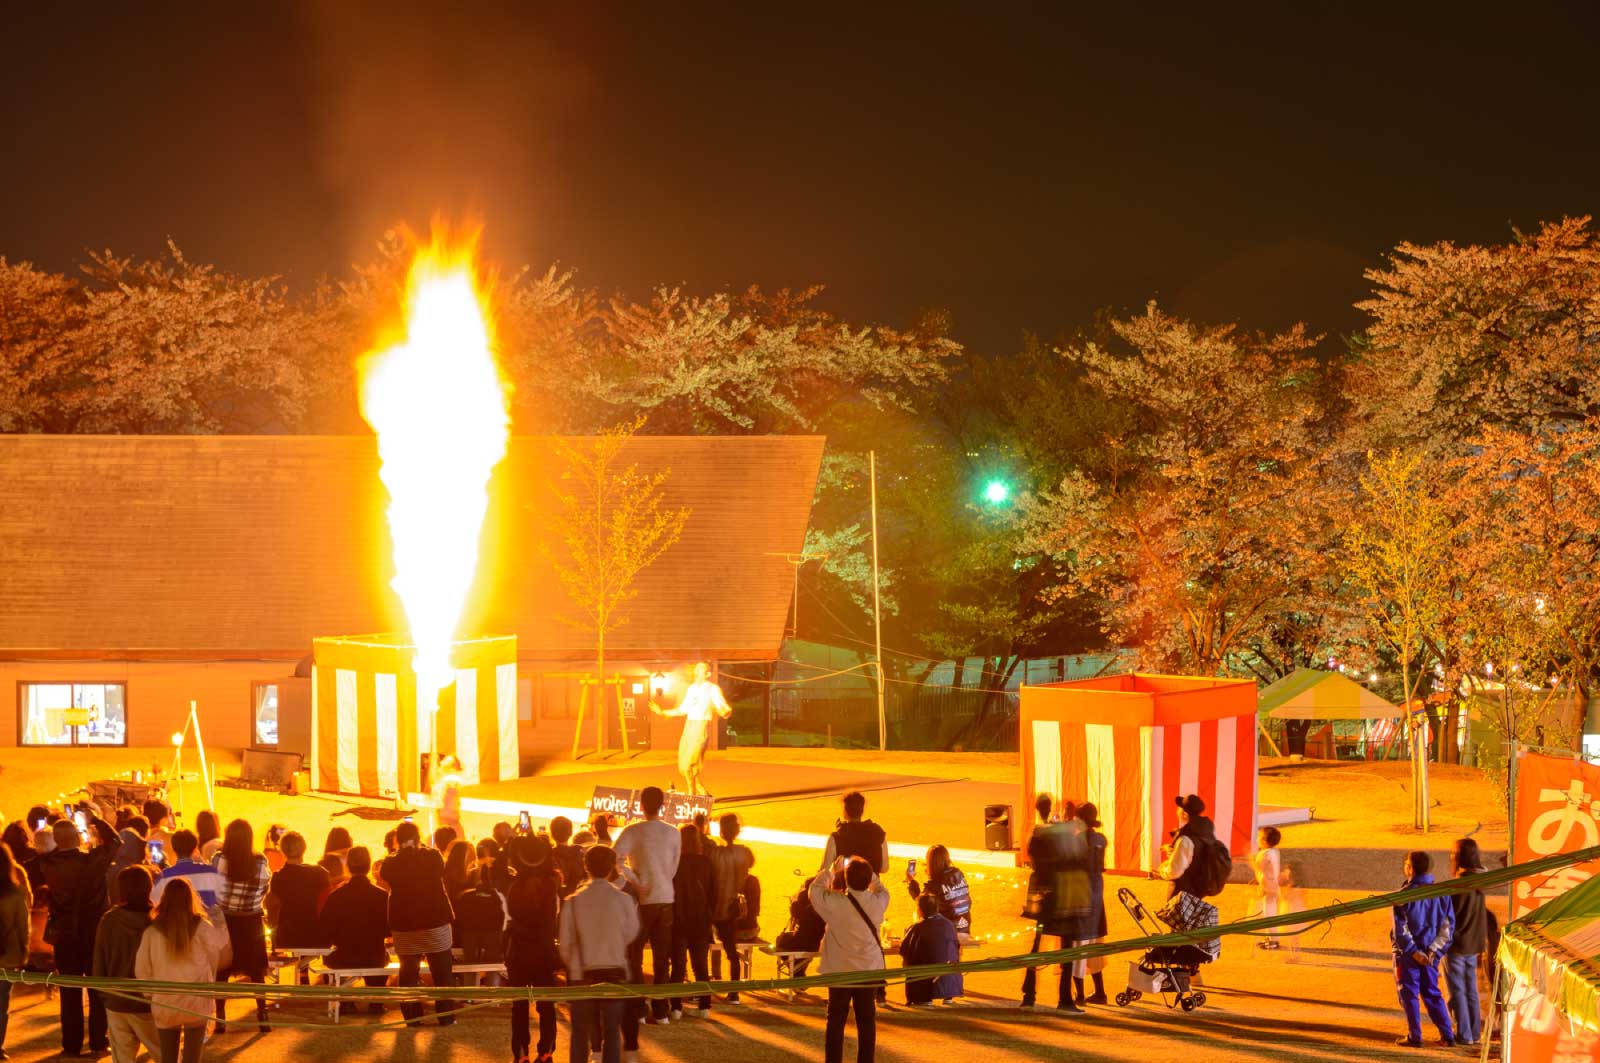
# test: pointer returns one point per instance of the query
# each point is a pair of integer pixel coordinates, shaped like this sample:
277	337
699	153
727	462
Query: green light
996	492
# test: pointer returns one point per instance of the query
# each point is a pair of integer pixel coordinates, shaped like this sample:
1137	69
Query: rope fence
469	997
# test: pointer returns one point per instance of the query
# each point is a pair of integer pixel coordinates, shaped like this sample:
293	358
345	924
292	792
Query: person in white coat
702	705
852	902
181	945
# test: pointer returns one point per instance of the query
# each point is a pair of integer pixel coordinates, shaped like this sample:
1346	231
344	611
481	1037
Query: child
1422	932
1268	864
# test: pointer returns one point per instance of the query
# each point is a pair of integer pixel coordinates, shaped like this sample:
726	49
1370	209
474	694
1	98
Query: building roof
250	546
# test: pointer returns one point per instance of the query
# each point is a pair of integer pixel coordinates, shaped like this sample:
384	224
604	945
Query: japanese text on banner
1558	802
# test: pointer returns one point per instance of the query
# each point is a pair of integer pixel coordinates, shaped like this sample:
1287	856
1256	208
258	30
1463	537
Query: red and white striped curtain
1132	775
369	735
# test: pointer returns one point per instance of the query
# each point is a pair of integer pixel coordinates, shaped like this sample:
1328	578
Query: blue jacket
1424	925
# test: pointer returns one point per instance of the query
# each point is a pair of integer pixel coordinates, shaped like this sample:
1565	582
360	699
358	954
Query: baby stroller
1169	970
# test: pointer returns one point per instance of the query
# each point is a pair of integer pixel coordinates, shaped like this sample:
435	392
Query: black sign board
623	805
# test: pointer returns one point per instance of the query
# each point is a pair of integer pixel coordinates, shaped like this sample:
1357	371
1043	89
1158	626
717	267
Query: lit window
264	714
74	714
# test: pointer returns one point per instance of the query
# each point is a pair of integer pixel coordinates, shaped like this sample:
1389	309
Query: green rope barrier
490	995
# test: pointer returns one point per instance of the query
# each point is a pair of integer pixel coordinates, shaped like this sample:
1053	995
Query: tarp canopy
1312	694
1554	949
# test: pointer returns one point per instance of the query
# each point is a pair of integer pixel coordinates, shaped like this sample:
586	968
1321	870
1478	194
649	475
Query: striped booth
1131	744
368	734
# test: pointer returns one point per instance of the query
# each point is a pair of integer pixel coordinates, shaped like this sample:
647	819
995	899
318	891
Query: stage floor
789	797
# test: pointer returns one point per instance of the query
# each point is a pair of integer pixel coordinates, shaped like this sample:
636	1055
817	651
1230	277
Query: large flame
437	402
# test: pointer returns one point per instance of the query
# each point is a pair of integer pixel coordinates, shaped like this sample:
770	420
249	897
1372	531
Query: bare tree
611	523
1397	551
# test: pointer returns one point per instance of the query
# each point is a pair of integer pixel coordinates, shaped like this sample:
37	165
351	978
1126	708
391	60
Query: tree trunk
600	693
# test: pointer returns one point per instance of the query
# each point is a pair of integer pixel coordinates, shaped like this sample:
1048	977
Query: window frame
255	735
22	712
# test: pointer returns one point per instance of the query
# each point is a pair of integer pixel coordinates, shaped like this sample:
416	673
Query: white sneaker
677	1013
702	1013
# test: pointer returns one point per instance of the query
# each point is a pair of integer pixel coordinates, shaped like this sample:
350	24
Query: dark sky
1018	165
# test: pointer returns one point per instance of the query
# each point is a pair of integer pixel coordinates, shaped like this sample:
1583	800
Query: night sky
1020	166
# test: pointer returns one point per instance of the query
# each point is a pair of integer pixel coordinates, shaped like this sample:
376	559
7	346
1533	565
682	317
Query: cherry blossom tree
1194	526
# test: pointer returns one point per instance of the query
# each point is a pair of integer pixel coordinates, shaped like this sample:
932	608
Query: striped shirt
204	878
244	897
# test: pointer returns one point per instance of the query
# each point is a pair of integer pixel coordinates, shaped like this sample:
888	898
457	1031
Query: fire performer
697	706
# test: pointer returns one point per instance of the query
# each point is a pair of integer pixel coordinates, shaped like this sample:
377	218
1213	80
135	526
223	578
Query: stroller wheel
1123	999
1199	1000
1188	1003
1135	994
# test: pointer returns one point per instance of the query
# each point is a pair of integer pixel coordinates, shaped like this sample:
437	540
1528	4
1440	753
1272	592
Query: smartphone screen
408	819
80	820
158	853
524	821
911	868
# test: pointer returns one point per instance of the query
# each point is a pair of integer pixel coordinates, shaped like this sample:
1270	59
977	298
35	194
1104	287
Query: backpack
1217	865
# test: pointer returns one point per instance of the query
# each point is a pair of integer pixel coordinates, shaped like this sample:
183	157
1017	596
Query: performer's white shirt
701	699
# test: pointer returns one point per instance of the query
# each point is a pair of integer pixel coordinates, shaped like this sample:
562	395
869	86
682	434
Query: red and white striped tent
368	734
1131	744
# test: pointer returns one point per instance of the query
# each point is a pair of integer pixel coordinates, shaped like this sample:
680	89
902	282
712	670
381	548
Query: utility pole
877	619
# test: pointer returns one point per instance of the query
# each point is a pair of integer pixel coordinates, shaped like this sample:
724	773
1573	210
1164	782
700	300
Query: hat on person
1190	804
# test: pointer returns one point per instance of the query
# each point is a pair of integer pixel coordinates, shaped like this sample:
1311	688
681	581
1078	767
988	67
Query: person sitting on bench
355	921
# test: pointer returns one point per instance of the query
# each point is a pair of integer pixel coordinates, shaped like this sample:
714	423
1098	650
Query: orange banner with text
1558	802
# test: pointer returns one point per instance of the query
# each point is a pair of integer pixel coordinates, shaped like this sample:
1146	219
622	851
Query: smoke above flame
437	402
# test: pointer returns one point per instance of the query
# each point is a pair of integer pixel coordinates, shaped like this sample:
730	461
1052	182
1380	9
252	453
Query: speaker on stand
997	828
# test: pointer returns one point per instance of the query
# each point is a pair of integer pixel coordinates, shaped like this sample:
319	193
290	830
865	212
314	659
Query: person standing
853	915
568	858
75	885
1186	865
16	919
1268	866
1089	816
730	866
208	829
245	880
420	918
1421	934
1058	893
647	852
181	945
293	897
116	945
701	706
203	877
855	836
597	929
691	917
533	903
1470	940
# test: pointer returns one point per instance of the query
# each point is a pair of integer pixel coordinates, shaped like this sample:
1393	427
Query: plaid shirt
245	896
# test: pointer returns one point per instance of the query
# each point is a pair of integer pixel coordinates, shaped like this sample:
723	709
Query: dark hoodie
116	944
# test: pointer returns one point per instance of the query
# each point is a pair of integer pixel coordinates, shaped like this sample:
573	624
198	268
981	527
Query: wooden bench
342	976
297	959
786	960
745	949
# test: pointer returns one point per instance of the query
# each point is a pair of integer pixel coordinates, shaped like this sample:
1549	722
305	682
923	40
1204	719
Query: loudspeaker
997	827
270	767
